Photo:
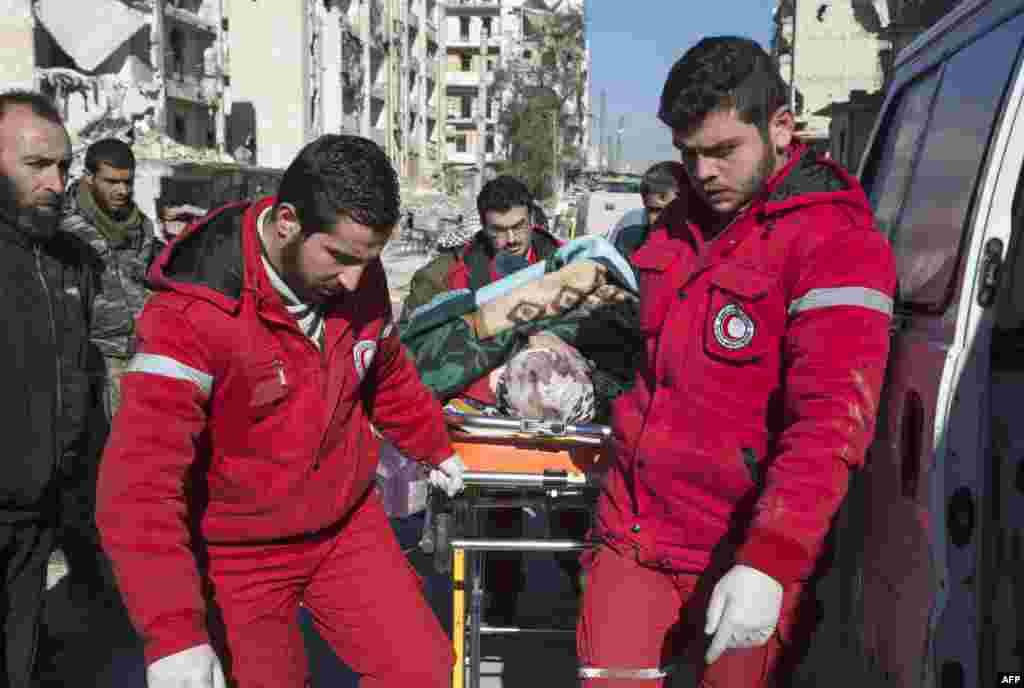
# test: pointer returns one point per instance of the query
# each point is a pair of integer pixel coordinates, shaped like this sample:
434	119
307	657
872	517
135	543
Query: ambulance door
931	177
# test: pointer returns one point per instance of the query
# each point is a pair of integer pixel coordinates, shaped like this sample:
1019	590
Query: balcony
188	82
188	88
349	124
468	157
467	79
196	21
476	7
464	42
378	36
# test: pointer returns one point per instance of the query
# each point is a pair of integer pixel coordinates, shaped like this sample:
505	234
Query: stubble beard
290	270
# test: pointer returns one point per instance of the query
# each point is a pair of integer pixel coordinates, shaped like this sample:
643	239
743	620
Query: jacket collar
12	234
218	260
805	180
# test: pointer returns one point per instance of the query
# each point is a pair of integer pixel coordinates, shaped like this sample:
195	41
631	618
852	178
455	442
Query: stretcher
511	463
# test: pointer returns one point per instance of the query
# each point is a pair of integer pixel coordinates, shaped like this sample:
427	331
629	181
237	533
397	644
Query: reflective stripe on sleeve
861	297
165	366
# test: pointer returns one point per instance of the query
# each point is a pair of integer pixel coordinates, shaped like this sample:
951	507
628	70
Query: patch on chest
363	354
733	327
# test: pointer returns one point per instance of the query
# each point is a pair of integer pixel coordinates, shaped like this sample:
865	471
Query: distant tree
535	85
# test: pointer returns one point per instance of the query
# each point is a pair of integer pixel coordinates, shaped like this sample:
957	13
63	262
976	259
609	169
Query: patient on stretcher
549	380
557	340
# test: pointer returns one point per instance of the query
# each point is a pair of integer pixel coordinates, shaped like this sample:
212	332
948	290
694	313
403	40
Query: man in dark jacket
100	209
45	295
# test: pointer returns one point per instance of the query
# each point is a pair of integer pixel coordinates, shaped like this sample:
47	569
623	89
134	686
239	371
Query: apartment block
481	37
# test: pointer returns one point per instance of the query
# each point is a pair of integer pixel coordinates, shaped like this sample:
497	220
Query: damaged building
208	89
836	101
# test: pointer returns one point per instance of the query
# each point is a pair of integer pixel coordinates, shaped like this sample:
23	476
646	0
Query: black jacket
46	292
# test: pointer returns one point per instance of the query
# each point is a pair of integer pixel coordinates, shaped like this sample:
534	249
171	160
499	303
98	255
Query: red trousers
363	596
636	617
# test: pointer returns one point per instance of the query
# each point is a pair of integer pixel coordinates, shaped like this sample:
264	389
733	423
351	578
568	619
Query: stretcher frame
538	462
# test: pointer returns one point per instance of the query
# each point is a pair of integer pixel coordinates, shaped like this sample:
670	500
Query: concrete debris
434	215
89	31
155	145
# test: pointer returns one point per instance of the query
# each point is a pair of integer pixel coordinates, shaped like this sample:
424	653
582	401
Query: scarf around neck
114	231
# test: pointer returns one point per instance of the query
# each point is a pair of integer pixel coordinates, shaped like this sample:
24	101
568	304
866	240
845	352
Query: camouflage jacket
123	289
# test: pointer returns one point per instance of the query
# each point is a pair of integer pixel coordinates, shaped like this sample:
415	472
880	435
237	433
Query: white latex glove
448	476
196	667
743	612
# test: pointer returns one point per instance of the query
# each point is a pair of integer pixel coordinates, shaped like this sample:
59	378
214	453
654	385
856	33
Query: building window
460	144
464	28
527	54
490	144
466	107
490	65
176	53
179	129
467	63
487	26
490	108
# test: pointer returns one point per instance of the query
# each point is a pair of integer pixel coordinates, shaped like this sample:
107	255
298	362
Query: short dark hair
501	194
663	176
41	105
339	174
722	72
113	152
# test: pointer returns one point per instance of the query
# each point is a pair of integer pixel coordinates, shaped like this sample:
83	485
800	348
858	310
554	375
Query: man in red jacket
510	239
237	482
766	308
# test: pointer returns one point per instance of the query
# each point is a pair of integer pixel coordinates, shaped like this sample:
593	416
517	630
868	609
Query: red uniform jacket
234	425
475	268
766	353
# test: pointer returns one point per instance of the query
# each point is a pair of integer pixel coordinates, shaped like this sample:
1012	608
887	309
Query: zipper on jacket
324	386
53	335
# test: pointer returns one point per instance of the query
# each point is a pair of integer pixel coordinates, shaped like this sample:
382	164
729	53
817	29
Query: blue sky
633	44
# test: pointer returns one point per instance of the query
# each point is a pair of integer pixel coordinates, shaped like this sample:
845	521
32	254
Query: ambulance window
928	235
889	168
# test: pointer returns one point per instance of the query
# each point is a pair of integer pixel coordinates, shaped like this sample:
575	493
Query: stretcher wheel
442	538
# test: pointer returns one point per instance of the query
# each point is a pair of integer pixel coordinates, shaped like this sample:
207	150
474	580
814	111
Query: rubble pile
155	145
433	215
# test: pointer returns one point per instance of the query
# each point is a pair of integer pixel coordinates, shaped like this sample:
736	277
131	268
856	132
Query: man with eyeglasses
511	239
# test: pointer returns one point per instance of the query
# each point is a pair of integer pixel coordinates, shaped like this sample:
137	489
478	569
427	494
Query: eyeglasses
520	228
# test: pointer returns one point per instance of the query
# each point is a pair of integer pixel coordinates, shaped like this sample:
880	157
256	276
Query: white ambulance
927	582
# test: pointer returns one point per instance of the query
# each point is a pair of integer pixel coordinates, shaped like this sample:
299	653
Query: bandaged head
549	380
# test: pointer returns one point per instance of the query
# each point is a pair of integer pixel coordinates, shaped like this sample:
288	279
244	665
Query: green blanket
450	356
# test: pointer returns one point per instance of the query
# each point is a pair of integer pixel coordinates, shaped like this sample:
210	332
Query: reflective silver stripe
626	674
165	366
842	296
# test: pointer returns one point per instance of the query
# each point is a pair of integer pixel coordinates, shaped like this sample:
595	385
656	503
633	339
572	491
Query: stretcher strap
625	674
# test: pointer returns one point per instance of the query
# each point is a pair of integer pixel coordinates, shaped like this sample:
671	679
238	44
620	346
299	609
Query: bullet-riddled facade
825	51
